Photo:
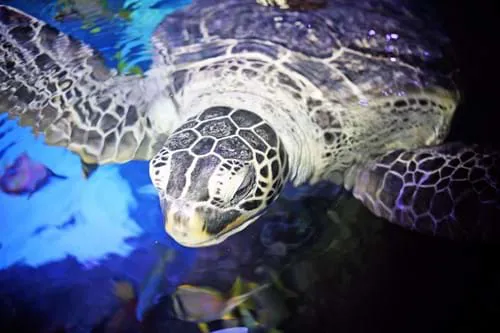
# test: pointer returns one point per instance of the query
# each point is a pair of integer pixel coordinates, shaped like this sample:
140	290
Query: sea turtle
243	98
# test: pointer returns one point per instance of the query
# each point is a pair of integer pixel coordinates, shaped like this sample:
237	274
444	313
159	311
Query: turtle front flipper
451	190
62	88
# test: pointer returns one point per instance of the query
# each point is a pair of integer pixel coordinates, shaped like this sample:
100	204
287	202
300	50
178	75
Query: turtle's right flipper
452	190
62	88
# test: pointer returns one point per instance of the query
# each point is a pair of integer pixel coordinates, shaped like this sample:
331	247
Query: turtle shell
346	48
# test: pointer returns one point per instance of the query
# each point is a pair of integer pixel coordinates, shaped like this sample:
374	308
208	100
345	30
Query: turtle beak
186	226
189	226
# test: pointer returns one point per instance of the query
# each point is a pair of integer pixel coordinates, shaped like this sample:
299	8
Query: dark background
420	284
473	28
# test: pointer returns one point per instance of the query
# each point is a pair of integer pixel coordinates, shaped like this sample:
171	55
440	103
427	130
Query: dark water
420	284
376	277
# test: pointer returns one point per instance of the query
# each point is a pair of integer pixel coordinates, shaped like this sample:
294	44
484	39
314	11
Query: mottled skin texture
333	93
226	165
61	87
234	108
451	190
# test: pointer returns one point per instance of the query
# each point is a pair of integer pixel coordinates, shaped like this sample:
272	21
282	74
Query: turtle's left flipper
62	88
451	190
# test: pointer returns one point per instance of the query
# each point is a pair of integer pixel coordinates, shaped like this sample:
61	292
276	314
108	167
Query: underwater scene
249	166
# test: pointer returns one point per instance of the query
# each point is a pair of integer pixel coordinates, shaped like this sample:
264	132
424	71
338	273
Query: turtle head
217	173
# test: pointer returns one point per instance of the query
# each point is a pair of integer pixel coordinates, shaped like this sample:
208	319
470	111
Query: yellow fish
203	304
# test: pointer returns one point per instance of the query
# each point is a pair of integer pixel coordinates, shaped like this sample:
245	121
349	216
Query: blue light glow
88	219
99	207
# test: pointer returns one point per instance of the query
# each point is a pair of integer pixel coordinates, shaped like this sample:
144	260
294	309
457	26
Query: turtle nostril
180	220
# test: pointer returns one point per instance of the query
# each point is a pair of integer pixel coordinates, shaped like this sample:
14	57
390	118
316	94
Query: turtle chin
201	227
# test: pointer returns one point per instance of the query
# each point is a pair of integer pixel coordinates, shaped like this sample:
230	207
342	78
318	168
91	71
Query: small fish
26	176
277	283
269	308
203	304
152	284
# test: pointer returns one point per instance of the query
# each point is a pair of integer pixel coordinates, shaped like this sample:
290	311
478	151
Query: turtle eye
232	183
245	187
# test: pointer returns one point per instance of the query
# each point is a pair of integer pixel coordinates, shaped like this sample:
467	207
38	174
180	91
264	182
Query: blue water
104	208
74	235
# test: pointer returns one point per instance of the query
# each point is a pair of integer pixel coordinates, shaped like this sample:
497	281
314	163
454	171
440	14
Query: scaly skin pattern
225	165
452	190
334	87
343	81
62	88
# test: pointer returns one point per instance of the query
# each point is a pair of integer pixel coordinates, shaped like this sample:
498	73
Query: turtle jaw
195	227
186	229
